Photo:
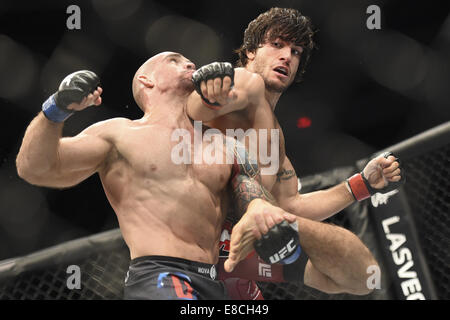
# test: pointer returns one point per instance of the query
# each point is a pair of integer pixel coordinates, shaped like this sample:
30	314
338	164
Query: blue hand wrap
293	257
53	112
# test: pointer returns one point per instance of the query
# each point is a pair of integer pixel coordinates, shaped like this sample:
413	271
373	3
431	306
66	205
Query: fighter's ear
250	55
146	81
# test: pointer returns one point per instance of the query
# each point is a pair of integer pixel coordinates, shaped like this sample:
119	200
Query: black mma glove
72	89
212	71
360	186
280	245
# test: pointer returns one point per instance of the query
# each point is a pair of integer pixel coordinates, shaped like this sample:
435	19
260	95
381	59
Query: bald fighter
170	215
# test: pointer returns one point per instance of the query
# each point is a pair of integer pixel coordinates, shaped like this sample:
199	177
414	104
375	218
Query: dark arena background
365	91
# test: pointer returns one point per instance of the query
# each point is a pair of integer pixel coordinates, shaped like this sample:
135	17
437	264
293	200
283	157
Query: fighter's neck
168	108
272	98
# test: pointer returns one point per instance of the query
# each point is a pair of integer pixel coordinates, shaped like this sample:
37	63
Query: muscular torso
163	208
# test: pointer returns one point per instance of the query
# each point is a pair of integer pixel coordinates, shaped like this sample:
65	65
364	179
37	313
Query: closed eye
175	57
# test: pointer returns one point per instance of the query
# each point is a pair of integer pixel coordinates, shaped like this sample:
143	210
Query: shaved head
165	71
144	70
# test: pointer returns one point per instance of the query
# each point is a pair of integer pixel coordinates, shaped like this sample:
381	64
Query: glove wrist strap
293	257
358	187
53	113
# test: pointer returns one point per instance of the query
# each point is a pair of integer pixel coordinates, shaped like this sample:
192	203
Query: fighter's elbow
249	84
23	170
33	174
29	175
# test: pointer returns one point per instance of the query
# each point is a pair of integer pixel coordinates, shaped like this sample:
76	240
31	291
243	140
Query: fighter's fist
259	218
214	83
91	99
382	170
382	174
76	92
280	245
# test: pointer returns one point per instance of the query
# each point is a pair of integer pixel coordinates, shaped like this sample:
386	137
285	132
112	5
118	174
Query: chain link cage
428	191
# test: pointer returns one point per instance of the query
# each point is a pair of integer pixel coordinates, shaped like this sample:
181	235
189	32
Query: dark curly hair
287	24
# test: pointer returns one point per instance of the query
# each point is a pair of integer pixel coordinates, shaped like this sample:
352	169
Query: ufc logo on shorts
280	255
264	270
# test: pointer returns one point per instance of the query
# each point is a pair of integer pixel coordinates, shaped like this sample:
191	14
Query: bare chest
164	154
259	129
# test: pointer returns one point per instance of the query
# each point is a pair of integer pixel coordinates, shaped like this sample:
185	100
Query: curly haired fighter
275	51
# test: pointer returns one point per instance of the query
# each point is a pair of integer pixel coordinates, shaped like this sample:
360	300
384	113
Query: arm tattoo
285	175
246	182
245	190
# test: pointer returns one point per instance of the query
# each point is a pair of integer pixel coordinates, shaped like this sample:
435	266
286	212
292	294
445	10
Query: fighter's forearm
319	205
197	110
38	153
245	189
337	253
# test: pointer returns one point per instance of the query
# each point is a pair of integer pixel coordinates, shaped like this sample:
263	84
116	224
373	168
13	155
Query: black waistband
193	266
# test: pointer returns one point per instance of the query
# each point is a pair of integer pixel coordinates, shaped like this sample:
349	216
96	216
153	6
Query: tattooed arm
317	205
247	191
255	207
284	174
246	181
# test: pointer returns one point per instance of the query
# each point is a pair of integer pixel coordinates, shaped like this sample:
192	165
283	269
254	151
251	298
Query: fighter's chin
187	85
276	85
